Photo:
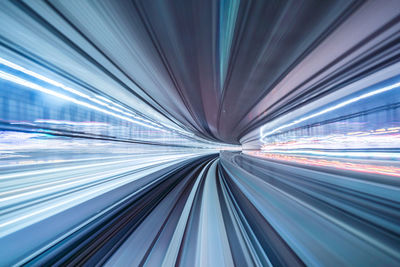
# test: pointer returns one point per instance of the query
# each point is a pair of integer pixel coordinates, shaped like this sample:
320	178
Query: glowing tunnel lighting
104	99
74	123
380	138
344	165
76	92
41	77
15	79
338	154
335	107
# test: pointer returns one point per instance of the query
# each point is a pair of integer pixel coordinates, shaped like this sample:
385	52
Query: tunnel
200	133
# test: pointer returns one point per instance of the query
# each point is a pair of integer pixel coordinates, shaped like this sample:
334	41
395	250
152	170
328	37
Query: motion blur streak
377	169
200	133
335	107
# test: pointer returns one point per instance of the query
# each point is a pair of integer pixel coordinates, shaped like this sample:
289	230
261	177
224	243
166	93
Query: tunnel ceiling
208	64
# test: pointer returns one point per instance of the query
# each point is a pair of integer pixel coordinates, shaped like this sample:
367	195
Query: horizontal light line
71	90
333	153
15	79
335	107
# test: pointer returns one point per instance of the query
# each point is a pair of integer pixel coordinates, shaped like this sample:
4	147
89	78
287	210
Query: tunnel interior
199	133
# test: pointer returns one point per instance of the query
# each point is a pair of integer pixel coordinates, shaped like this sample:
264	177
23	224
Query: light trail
336	164
335	107
18	80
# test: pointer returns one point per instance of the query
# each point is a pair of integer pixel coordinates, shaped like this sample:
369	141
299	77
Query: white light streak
335	107
78	93
15	79
337	153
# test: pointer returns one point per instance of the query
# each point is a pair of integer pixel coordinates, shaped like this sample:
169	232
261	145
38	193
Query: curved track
223	211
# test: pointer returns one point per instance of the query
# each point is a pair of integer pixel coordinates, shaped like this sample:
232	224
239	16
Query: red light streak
358	167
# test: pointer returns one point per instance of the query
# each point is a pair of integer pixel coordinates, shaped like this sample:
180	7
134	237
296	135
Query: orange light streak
366	168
